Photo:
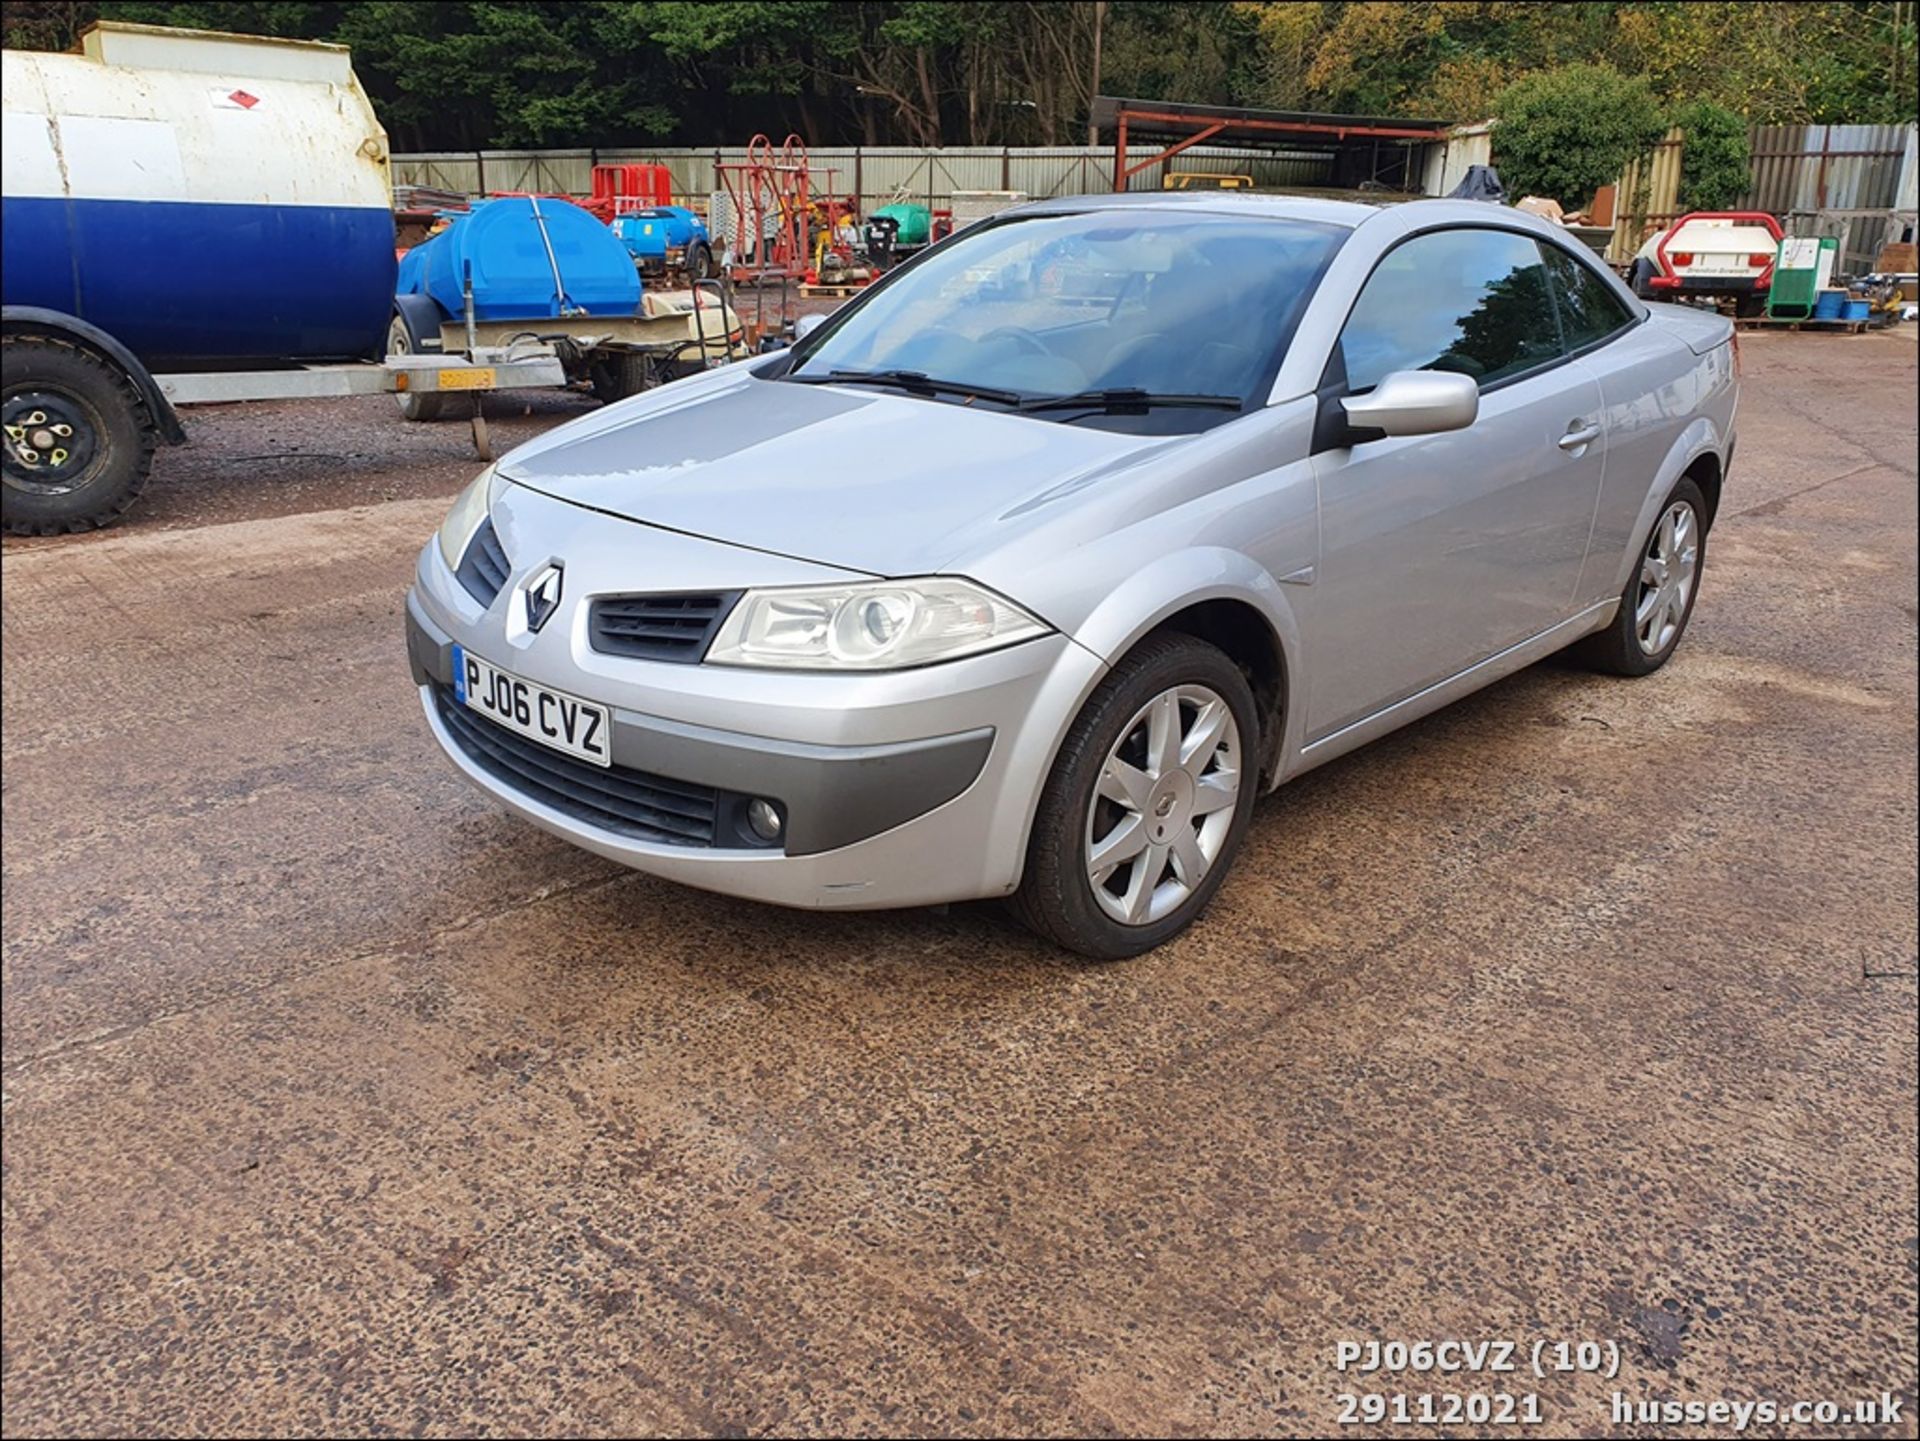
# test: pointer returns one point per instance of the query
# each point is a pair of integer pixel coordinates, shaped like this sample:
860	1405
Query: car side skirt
1444	693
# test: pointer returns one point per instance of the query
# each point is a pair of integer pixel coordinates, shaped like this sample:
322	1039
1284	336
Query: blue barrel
204	199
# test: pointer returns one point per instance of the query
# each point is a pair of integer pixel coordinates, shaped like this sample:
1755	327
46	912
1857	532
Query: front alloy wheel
1164	806
1148	800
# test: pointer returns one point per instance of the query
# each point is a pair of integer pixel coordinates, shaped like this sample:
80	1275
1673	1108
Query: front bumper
899	789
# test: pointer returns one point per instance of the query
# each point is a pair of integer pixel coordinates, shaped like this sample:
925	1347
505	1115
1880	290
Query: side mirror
1415	402
806	325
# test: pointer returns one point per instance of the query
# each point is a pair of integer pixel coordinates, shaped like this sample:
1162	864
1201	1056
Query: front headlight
884	625
469	509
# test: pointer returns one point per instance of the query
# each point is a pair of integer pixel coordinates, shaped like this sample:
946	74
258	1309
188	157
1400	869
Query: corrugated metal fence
1854	182
1646	197
876	174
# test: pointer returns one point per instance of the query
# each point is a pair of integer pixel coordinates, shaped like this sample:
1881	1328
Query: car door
1438	551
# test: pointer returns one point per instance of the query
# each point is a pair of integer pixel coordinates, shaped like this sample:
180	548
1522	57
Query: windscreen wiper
1128	400
916	381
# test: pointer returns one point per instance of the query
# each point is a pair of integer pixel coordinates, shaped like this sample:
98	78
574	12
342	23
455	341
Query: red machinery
771	203
618	189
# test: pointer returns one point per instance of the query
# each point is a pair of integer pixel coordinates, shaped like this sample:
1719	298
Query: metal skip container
204	198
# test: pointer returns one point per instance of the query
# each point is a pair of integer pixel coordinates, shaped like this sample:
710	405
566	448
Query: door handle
1579	436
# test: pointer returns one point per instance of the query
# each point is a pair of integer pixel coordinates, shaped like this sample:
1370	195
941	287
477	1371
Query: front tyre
79	438
1147	804
1658	601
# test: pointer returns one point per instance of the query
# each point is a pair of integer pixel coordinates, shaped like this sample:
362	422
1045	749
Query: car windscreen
1155	302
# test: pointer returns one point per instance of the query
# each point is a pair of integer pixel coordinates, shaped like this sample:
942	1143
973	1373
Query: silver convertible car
1026	572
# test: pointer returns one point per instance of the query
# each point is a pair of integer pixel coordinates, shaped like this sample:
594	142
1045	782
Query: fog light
764	819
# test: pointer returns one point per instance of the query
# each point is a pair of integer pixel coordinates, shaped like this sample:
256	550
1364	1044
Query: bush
1714	160
1562	134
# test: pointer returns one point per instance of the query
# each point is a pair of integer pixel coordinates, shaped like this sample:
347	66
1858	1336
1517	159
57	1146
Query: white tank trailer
191	216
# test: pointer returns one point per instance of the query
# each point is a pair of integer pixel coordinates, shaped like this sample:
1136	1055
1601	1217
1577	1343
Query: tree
1714	158
1565	133
465	73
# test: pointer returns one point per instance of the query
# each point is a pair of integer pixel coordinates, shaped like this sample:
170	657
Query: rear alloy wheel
1658	600
1147	803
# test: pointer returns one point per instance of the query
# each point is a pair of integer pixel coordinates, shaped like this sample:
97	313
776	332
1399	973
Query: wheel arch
35	320
1697	451
421	315
1224	598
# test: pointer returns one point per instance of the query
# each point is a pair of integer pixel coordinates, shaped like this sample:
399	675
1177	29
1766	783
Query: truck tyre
1641	277
79	438
427	405
699	261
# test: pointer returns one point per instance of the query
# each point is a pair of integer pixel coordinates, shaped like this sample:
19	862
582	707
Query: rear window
1589	309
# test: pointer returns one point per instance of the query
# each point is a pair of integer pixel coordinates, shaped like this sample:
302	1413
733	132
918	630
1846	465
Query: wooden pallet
1768	322
832	292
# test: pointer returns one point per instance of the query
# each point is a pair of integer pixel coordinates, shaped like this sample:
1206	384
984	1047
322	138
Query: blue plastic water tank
505	244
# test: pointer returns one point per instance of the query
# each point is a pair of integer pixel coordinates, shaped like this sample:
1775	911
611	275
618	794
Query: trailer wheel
621	374
427	405
79	438
699	261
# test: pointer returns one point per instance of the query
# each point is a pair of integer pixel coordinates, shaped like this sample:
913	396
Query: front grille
614	798
659	627
483	569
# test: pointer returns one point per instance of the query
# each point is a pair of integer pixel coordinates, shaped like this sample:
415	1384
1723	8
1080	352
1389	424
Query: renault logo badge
543	595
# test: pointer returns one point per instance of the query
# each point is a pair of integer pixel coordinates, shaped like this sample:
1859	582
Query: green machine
1803	270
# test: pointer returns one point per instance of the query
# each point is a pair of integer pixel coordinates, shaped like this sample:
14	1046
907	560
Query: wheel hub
49	437
1171	805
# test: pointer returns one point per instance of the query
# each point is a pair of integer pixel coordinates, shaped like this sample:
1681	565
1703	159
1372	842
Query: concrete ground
336	1100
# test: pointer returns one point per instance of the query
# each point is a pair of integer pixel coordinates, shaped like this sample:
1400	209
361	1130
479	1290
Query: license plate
472	377
576	727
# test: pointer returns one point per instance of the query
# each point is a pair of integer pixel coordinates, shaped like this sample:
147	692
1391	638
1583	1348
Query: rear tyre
1658	601
1147	804
1641	278
426	405
699	261
1747	307
79	438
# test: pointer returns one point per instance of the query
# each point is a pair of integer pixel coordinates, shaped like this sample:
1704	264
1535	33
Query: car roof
1397	215
1218	202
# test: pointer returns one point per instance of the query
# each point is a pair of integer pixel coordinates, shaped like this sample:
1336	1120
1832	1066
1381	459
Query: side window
1589	310
1472	301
